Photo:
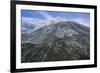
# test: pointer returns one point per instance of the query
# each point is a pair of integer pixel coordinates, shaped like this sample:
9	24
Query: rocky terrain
59	41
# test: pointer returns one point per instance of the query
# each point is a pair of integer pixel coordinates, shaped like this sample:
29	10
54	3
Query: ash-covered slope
64	40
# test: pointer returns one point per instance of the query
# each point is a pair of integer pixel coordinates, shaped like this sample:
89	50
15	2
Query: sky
36	15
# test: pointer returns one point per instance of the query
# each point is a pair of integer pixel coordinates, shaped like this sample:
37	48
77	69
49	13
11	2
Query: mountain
58	41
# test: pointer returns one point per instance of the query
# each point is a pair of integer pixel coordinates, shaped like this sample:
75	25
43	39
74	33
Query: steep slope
64	40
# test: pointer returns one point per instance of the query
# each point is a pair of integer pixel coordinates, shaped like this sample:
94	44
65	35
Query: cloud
45	15
29	20
31	24
82	21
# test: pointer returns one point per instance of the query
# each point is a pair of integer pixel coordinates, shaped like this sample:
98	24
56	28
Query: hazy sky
29	15
51	14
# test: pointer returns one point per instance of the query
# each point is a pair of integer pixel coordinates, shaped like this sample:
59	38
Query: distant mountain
58	41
